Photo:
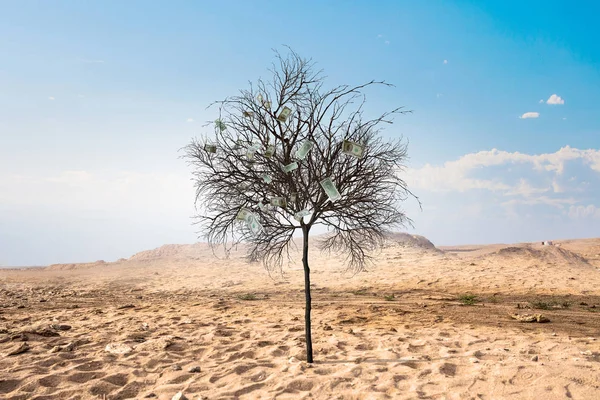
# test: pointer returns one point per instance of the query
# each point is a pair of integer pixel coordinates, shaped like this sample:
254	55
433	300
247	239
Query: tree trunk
309	350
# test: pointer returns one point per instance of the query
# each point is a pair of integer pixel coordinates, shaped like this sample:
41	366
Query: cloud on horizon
554	190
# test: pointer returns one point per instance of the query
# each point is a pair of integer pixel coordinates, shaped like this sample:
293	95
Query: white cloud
541	101
518	196
387	42
379	35
554	99
51	98
590	211
439	95
530	114
454	175
190	120
445	61
564	118
523	188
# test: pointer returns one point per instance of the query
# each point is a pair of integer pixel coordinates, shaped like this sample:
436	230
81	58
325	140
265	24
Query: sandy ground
184	321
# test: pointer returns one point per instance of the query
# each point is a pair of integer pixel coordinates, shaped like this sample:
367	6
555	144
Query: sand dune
180	319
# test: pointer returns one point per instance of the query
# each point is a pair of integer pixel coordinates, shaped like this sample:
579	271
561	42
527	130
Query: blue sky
96	98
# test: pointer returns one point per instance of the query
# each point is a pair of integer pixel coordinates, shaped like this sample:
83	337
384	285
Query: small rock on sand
179	396
530	318
118	348
18	349
158	344
534	358
195	369
55	349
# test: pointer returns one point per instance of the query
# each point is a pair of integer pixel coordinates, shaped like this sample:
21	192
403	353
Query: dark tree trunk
309	350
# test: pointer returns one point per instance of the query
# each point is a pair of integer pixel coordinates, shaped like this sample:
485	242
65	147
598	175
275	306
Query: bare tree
247	189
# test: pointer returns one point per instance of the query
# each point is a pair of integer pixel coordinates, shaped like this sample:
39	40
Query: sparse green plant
566	304
247	296
541	305
493	299
360	292
468	299
389	297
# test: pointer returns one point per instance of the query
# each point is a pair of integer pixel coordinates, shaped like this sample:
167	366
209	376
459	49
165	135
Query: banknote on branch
304	149
284	114
267	178
261	100
278	202
210	148
290	167
220	125
269	151
301	214
242	187
330	189
251	151
254	225
243	214
353	149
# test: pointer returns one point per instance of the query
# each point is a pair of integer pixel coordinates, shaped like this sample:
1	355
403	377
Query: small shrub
468	299
247	296
493	299
566	304
389	297
360	292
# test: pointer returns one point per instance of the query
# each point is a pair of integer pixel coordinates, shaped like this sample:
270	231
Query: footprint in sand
240	369
50	381
448	369
299	385
117	379
83	377
7	386
259	376
90	366
103	388
129	392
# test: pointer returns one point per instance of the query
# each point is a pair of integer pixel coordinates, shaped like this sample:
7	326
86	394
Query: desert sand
178	319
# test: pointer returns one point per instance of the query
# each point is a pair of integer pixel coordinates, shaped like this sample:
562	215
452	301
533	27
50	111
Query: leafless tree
241	176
